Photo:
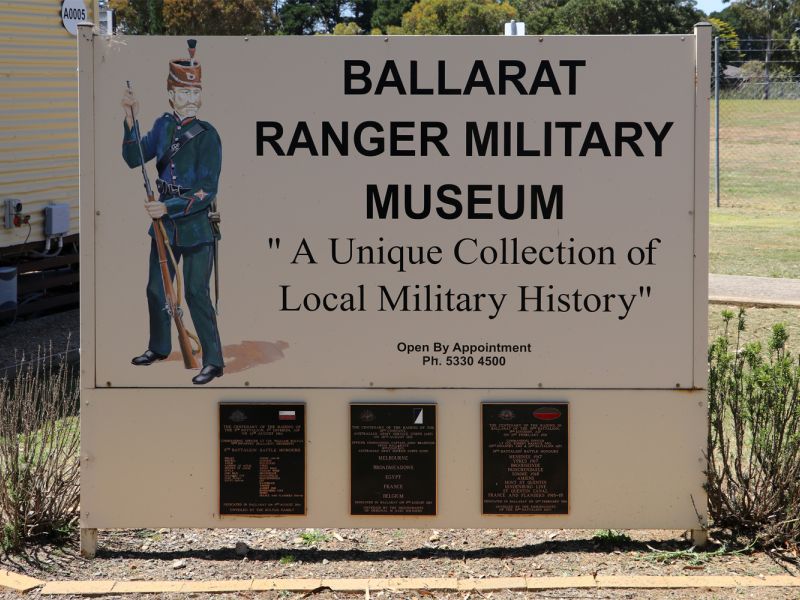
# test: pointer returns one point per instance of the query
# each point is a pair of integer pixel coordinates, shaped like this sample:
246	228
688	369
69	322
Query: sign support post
702	32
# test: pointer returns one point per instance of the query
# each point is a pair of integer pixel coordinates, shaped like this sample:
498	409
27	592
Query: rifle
172	307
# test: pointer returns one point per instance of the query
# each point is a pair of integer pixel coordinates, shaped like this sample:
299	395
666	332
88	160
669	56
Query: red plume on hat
183	72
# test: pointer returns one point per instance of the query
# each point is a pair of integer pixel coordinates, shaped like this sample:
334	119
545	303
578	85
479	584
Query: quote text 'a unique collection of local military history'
475	203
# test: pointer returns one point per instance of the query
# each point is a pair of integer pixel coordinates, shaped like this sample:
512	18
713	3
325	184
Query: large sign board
404	220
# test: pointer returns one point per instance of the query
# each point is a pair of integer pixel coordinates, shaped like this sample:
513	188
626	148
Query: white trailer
39	152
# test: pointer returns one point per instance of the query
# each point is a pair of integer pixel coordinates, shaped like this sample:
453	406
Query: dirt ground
200	554
55	336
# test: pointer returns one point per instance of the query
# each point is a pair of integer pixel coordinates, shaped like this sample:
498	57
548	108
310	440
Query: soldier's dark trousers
197	263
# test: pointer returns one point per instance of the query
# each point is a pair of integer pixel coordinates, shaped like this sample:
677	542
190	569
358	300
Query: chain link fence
755	143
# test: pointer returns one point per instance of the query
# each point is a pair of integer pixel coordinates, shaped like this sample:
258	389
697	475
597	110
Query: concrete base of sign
88	542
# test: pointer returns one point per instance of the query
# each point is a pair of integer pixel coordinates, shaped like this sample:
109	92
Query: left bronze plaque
262	459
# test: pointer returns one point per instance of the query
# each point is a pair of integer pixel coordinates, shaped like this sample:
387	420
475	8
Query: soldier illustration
188	155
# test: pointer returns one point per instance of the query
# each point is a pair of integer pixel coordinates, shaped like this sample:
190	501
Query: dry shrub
39	453
754	436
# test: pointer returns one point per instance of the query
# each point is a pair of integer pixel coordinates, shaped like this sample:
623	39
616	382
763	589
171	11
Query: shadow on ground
313	554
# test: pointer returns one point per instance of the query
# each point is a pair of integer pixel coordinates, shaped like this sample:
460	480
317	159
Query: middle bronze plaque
392	459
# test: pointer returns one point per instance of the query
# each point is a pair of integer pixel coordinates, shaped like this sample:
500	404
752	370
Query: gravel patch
57	335
200	554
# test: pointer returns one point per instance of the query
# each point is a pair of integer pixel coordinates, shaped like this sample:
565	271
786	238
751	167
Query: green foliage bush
457	17
39	454
754	435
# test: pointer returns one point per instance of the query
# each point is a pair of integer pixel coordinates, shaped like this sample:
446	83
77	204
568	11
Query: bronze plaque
392	459
525	458
262	459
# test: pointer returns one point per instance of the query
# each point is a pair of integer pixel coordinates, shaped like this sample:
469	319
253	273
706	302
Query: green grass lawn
756	231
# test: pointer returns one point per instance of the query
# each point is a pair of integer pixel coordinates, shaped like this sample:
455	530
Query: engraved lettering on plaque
525	458
262	459
392	459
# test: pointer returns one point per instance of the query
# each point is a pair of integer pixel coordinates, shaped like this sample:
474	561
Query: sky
709	6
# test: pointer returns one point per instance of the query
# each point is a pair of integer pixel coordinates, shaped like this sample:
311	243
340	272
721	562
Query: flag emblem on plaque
287	415
418	416
547	413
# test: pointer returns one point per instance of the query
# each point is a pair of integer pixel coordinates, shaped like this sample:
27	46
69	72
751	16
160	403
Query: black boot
206	374
148	358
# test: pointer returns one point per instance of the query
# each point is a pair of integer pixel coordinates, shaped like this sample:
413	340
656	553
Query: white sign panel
414	212
436	224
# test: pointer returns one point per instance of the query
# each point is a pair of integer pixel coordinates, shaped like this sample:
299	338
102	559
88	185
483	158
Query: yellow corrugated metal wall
38	113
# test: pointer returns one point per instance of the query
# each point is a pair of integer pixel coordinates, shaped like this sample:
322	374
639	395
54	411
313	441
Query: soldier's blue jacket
195	167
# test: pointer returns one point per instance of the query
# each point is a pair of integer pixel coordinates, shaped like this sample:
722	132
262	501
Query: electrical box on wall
56	219
11	208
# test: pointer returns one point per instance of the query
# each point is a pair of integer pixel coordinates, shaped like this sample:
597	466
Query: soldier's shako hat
185	72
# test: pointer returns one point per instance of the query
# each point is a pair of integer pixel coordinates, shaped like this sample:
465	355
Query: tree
305	17
213	17
762	18
729	46
539	16
457	17
769	20
332	12
138	17
270	17
350	28
298	17
663	16
591	17
390	12
794	48
363	11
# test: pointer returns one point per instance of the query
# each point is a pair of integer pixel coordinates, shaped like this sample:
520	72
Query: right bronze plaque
525	458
